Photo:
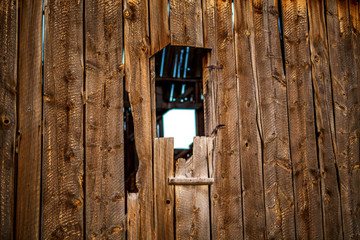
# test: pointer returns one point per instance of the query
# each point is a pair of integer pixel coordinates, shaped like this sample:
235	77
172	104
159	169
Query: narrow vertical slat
8	87
159	22
302	121
29	120
324	120
62	183
137	68
163	192
104	146
186	24
347	113
133	216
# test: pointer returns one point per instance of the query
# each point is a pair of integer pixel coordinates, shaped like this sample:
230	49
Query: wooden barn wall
281	99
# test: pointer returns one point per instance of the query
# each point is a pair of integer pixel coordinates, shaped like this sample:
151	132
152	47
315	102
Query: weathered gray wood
330	194
346	111
301	121
186	25
105	190
191	181
159	22
8	87
192	211
29	120
133	216
163	192
62	183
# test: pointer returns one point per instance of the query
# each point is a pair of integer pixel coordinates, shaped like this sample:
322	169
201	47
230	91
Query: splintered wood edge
191	181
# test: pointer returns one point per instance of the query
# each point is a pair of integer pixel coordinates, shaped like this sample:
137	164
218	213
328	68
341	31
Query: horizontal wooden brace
191	181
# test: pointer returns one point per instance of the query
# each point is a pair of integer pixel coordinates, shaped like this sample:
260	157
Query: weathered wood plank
192	202
105	198
249	123
8	86
324	121
186	24
163	192
29	120
137	50
301	121
133	216
159	22
62	184
347	114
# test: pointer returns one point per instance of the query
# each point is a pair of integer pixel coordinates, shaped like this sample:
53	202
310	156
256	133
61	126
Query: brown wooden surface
330	194
159	22
192	211
346	109
163	192
186	24
105	189
137	50
62	183
301	121
133	216
8	87
29	120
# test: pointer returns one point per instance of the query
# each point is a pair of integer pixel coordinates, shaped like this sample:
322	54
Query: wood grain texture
346	111
302	121
159	22
62	184
186	24
137	50
8	88
331	206
249	127
192	202
105	188
29	120
163	192
133	216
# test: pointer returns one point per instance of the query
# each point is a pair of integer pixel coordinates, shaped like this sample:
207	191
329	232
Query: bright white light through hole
180	124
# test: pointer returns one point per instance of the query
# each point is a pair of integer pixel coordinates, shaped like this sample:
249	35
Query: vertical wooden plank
324	121
62	194
133	216
249	129
105	188
347	114
137	50
301	121
192	202
163	192
186	24
8	86
159	22
29	120
153	96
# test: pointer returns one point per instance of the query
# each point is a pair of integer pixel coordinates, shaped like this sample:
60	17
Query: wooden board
346	111
249	127
163	192
105	188
63	169
8	87
29	120
159	22
302	121
133	216
186	24
331	206
192	211
137	51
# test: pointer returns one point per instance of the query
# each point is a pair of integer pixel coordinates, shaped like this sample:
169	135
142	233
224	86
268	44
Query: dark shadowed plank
302	121
137	50
8	82
105	191
186	24
163	192
324	121
133	216
159	22
249	127
347	114
29	120
62	184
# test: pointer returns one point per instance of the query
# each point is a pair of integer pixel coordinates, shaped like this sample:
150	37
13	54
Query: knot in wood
5	121
127	14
